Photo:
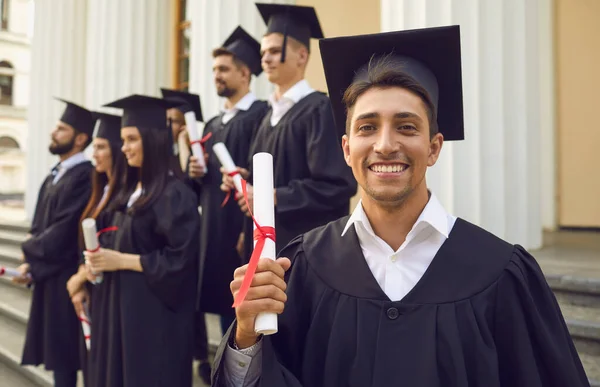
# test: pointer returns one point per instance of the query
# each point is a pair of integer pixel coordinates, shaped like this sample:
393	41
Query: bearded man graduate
400	293
52	253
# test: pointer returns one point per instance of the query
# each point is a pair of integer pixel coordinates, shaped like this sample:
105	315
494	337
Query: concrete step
22	227
11	238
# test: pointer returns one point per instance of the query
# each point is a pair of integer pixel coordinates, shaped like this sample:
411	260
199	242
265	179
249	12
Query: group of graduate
399	292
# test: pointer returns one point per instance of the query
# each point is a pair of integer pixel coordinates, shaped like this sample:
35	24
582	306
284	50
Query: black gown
142	323
313	183
53	329
482	315
221	226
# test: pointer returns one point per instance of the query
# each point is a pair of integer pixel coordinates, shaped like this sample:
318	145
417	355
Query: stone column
493	177
57	69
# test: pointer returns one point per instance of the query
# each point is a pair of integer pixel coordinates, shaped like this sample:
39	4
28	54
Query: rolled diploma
9	272
192	128
90	238
264	213
227	162
86	322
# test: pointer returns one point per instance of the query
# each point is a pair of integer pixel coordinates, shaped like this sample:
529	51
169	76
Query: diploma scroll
86	325
90	237
9	272
264	215
192	128
227	162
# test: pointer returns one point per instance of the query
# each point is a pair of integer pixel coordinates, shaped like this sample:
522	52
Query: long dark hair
99	181
158	166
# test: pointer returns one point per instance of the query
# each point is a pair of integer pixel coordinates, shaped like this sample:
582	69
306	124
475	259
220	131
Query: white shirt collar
300	90
72	161
243	104
433	214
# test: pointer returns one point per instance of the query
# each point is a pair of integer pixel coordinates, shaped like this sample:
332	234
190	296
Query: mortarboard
79	118
431	56
143	111
244	47
109	127
184	101
301	23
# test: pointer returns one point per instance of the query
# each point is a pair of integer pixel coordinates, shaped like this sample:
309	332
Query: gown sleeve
35	227
169	270
533	344
331	181
283	352
48	251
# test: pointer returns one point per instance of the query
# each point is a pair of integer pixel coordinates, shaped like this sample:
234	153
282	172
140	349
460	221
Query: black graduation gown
142	323
313	183
482	315
221	226
53	329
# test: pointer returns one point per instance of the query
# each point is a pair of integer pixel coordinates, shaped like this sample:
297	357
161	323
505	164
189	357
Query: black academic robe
482	315
221	226
142	323
53	329
313	183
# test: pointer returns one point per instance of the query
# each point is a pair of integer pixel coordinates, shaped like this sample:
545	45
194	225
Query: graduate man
51	254
312	184
400	292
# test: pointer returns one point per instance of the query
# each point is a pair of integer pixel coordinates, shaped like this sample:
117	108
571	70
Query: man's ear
346	148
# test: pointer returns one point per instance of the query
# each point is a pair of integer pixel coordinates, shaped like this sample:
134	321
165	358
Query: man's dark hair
384	72
236	61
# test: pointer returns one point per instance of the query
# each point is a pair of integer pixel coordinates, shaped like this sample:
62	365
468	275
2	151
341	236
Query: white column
57	69
128	49
212	22
493	177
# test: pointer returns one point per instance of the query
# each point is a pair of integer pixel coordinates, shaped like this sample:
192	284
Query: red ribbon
107	229
232	174
261	233
202	141
2	271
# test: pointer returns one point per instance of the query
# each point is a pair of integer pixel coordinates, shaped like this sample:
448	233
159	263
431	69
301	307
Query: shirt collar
433	214
72	161
300	90
243	104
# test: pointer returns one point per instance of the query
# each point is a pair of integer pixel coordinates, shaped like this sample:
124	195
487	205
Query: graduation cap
184	102
144	111
109	127
79	118
244	47
301	23
431	56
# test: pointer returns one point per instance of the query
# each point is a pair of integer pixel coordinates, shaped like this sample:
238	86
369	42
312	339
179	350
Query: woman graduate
106	178
151	266
400	293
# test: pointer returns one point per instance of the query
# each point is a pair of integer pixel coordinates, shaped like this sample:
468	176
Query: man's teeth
389	168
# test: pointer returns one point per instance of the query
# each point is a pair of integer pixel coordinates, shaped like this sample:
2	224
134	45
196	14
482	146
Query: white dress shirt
396	272
243	104
288	100
62	167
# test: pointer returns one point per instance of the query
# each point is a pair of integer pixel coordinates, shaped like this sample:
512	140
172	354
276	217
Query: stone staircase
579	299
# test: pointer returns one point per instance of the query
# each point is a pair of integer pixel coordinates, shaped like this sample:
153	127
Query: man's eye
366	128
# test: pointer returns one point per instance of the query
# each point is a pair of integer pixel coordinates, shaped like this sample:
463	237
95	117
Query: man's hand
266	294
240	245
78	299
227	182
196	169
242	201
104	260
24	278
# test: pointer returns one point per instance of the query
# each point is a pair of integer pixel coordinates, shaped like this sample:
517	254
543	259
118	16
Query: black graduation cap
184	101
245	48
79	118
430	55
144	111
301	23
109	127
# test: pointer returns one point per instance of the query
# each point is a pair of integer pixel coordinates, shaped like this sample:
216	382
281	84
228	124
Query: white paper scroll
86	325
9	272
90	238
192	128
227	162
264	213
